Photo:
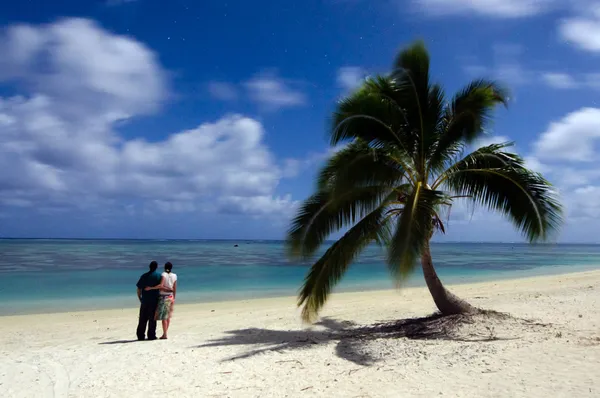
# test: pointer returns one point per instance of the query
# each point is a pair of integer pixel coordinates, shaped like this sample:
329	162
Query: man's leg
152	321
141	329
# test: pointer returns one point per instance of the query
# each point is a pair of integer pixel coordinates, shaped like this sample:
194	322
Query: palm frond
438	224
411	78
489	156
366	115
358	165
413	63
374	117
501	182
466	119
434	122
400	95
329	269
325	213
414	228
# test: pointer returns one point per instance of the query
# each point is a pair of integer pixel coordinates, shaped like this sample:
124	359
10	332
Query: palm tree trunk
446	302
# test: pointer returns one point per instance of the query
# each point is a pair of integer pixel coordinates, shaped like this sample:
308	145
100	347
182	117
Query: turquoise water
50	275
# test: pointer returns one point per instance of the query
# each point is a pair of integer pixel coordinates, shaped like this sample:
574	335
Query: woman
166	301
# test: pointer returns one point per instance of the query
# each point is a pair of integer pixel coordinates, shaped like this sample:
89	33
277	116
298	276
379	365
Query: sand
550	347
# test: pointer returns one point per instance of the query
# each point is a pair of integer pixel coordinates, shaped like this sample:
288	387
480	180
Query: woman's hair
168	266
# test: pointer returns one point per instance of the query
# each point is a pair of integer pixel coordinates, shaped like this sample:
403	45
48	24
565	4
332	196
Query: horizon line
281	240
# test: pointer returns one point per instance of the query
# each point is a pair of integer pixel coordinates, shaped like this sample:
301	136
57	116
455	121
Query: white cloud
491	139
258	205
59	144
506	67
226	157
564	81
584	202
223	91
568	177
583	31
75	56
567	153
559	80
533	163
273	92
592	80
573	138
167	206
350	77
293	167
558	154
266	89
492	8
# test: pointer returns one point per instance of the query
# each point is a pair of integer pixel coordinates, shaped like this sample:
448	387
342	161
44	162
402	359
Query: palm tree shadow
351	339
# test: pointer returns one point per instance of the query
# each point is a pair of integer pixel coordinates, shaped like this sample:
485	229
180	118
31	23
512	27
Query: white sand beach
259	348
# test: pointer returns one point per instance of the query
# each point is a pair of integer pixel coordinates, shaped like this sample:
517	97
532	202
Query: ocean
48	275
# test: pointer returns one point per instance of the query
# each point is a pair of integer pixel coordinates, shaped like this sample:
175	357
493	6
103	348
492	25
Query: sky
208	119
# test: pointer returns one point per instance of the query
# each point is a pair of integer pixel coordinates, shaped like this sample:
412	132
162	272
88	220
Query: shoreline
260	348
344	293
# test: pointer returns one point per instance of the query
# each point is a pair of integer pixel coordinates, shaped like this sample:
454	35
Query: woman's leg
165	327
161	316
168	321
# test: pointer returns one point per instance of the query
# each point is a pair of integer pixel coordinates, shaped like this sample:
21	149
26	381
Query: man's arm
159	286
140	286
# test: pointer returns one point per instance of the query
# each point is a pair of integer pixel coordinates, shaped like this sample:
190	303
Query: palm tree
403	164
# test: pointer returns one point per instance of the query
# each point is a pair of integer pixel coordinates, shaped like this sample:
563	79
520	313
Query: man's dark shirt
149	279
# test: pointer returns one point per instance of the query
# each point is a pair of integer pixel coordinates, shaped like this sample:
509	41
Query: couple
156	293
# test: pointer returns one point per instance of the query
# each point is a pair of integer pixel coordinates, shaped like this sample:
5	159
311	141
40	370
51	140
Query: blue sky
189	119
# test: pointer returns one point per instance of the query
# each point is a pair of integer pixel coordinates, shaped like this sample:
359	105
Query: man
149	302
